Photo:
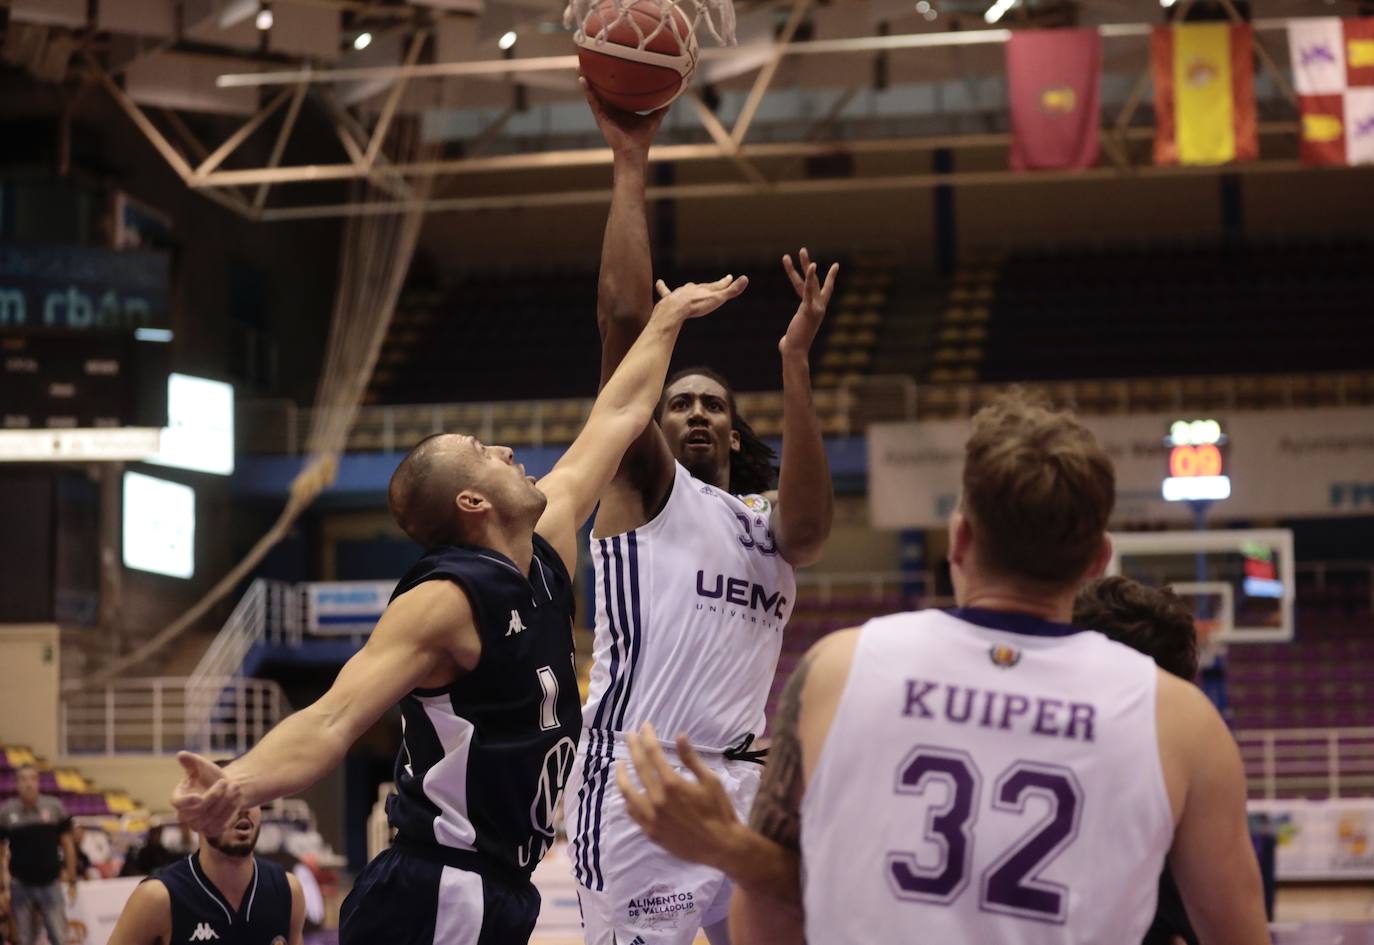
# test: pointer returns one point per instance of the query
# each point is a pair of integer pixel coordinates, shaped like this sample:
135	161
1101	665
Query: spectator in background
149	858
38	833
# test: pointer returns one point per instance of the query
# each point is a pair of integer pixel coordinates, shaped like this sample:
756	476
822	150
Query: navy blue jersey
483	760
200	913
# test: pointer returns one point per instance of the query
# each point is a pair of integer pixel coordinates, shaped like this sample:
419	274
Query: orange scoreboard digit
1198	469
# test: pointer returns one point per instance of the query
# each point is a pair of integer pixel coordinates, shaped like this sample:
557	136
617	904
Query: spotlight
997	9
507	40
923	6
362	41
264	19
930	14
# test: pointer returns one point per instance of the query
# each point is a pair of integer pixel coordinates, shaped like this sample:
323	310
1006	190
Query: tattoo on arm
777	809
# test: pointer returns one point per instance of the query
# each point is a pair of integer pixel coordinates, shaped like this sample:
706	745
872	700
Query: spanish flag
1204	94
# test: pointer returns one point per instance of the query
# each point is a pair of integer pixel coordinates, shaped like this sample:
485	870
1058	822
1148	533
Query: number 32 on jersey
1012	885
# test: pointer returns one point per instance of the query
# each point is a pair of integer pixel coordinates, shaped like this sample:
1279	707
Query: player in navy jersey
221	893
476	646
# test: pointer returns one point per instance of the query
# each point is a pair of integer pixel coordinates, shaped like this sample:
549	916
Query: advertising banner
1282	464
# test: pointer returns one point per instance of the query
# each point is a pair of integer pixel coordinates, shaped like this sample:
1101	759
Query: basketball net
717	15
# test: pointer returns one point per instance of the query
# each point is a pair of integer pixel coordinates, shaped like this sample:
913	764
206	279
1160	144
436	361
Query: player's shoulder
432	606
151	897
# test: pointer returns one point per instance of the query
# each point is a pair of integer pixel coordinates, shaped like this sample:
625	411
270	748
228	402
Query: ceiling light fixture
264	19
996	11
507	40
362	41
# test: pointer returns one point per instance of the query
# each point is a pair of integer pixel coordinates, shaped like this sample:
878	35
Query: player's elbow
803	543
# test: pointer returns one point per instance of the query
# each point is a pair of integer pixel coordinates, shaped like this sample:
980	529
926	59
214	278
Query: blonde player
694	578
991	774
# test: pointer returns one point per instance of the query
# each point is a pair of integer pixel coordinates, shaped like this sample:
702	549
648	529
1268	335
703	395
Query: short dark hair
1038	490
1153	620
421	492
753	467
27	766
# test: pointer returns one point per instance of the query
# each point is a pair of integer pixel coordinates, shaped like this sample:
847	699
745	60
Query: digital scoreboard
1198	470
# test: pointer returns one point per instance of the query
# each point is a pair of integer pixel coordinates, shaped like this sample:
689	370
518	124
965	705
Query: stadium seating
1184	309
438	347
78	794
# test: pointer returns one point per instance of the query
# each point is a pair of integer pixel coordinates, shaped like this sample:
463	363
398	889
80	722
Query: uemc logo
741	592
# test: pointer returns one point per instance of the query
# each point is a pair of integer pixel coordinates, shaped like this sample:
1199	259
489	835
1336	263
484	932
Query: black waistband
468	860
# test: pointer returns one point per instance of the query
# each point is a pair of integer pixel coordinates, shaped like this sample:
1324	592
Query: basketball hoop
682	17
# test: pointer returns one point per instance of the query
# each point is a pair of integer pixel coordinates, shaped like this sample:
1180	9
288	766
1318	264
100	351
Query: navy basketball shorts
407	897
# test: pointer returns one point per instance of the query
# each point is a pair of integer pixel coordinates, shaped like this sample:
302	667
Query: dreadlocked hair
753	467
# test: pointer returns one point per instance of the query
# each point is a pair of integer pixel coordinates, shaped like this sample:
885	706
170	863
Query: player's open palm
204	797
695	299
815	299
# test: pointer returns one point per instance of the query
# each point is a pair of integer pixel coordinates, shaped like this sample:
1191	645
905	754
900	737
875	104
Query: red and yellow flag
1204	94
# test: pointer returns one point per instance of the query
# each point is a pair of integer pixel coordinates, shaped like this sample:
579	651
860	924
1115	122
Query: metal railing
279	426
161	715
1308	762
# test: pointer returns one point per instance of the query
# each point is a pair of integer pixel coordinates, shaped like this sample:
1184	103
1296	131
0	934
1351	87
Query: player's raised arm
1212	858
425	636
806	496
622	410
624	289
624	295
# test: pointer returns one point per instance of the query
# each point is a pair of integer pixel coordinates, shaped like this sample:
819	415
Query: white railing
269	610
1308	762
162	715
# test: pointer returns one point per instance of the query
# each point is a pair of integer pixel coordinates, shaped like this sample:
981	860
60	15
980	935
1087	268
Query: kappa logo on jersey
1003	656
516	624
204	933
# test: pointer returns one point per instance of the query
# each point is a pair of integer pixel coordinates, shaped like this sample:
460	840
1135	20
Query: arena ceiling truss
362	136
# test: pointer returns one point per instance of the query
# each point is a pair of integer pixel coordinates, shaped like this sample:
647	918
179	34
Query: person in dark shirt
222	893
38	833
149	858
1158	623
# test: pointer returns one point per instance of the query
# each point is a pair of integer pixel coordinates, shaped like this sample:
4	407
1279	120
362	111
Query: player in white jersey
694	582
992	774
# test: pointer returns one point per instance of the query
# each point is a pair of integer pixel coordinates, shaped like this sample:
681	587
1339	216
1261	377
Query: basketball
636	58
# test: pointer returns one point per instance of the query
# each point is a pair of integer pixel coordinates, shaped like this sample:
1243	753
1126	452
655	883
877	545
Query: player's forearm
624	296
294	755
630	395
759	920
806	495
761	866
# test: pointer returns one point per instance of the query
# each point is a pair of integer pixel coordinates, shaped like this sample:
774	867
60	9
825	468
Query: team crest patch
755	503
1003	656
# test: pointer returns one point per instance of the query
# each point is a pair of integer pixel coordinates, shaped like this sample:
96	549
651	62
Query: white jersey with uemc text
989	778
689	617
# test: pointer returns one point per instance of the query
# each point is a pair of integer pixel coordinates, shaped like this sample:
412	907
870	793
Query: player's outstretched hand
691	819
205	798
815	299
693	300
625	132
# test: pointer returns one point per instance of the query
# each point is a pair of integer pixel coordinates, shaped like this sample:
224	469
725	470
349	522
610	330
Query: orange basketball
636	70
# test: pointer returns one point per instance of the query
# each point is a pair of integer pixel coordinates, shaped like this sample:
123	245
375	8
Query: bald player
476	646
991	774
